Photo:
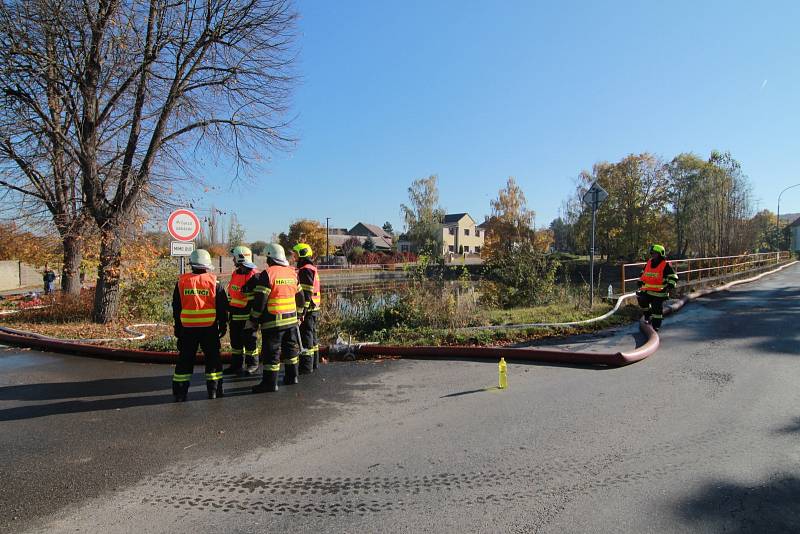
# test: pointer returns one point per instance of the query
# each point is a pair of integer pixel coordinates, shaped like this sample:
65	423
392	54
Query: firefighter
658	278
244	343
309	282
278	301
200	311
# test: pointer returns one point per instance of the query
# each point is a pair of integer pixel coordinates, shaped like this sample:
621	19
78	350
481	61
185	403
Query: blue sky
476	92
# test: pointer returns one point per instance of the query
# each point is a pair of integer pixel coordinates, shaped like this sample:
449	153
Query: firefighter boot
214	388
290	374
269	383
251	364
235	367
306	363
180	390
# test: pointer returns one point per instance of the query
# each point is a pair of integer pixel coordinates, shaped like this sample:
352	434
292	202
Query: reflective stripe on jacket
198	293
314	288
239	298
281	310
653	278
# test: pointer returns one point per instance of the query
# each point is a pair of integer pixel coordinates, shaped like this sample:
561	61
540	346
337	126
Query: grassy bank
420	315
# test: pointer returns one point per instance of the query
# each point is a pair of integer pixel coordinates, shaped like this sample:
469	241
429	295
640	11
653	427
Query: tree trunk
70	275
106	297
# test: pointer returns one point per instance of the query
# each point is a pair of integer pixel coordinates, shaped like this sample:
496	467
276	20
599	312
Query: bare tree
146	81
39	173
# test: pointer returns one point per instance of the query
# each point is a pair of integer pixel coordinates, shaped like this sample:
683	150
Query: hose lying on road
484	353
131	329
615	359
606	315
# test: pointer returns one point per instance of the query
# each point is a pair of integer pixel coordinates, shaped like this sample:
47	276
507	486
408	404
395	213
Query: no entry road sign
183	225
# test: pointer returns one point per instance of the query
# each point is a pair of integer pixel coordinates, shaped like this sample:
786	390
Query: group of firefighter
281	301
284	303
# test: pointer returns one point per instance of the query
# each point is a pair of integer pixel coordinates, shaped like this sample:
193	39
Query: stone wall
15	274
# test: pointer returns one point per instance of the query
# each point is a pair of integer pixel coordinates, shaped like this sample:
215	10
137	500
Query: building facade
460	235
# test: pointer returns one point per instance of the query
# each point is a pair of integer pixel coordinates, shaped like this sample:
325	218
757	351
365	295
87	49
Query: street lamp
778	221
327	234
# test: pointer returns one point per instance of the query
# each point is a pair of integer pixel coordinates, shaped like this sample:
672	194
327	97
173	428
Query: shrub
148	296
521	277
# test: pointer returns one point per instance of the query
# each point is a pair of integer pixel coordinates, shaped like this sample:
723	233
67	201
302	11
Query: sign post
593	197
183	225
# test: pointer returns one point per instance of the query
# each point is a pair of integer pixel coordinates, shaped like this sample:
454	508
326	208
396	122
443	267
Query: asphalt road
702	436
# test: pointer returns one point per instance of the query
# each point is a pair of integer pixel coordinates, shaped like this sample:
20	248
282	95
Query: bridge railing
696	270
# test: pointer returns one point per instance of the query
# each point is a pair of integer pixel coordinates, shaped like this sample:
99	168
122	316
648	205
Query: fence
699	270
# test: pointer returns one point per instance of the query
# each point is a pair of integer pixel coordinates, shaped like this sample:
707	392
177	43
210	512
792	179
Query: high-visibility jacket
198	294
306	273
278	298
240	298
655	278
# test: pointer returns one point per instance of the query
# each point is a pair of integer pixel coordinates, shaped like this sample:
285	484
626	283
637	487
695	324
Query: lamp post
778	217
327	238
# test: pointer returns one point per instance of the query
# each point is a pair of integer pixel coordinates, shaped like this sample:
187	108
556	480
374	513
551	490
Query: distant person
244	343
277	301
658	278
49	279
200	311
309	282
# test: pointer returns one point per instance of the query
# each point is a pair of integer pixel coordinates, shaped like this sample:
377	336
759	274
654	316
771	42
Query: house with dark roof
361	231
381	238
460	234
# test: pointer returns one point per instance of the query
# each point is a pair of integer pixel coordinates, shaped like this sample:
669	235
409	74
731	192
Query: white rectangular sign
181	248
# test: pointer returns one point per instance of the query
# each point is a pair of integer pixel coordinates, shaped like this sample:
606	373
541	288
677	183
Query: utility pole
327	238
778	217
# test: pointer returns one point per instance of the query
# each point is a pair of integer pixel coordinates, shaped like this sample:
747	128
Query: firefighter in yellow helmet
200	311
278	302
244	343
657	279
309	282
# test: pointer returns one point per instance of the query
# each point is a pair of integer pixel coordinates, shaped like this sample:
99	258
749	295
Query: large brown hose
615	359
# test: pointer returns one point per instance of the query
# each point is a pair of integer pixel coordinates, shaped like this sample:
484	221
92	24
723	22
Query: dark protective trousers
207	338
652	307
244	344
308	337
279	346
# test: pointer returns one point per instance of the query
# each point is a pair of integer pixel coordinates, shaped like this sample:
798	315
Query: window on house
466	231
452	230
477	250
451	248
477	233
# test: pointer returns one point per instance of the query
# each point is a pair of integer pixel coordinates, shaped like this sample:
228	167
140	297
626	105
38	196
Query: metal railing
695	270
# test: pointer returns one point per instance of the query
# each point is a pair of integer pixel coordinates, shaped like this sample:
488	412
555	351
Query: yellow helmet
303	250
658	248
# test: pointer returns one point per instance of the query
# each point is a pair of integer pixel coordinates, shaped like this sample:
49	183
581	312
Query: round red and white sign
183	225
